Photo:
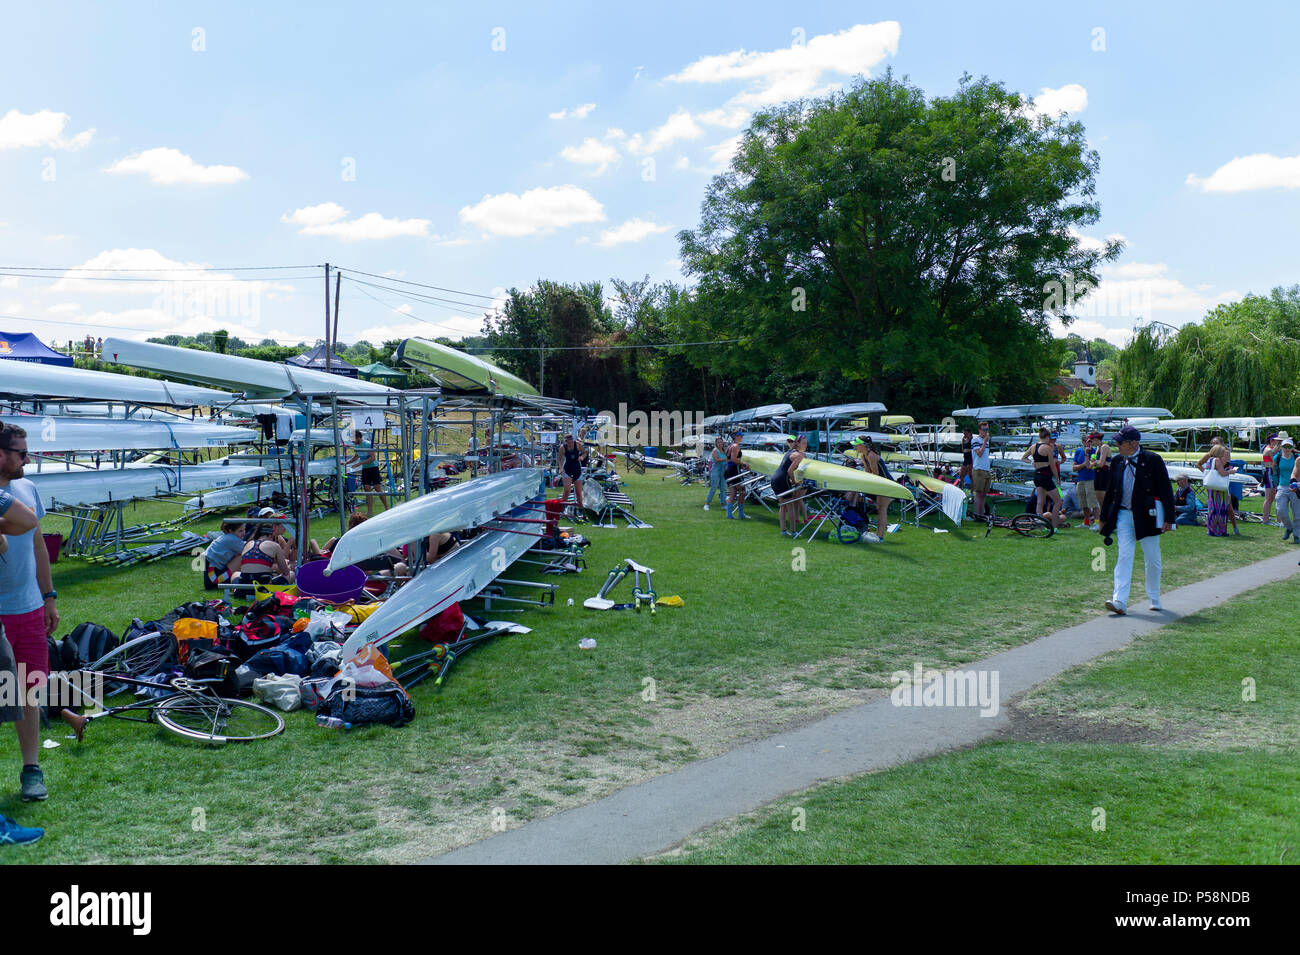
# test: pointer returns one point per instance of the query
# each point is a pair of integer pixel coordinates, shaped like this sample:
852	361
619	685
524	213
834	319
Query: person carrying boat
717	471
222	558
783	485
872	464
1138	510
571	458
735	499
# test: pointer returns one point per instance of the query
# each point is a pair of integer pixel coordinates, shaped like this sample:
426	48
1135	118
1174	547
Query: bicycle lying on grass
191	710
1028	525
187	707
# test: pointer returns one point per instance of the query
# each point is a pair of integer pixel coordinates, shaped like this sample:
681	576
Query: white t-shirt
979	448
19	591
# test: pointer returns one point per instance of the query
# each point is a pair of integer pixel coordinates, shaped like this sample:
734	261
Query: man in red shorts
27	605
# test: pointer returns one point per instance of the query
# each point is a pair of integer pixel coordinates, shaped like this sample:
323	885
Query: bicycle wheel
1032	525
142	656
213	719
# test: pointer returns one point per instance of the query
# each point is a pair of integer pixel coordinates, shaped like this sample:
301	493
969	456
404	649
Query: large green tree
903	244
1243	359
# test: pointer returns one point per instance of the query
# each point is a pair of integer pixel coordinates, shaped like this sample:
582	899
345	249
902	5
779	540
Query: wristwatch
52	595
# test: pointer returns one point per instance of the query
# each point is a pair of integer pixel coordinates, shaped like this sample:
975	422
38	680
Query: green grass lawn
772	632
1216	781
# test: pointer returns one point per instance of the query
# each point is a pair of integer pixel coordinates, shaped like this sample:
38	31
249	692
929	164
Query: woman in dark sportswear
1100	463
571	459
1044	457
263	562
781	484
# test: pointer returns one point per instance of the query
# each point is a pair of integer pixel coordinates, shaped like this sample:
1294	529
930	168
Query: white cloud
167	167
154	273
732	117
8	281
1246	173
615	132
1136	292
681	162
578	112
1091	244
330	219
1071	98
721	154
795	71
456	326
41	129
592	152
633	230
680	125
64	308
537	211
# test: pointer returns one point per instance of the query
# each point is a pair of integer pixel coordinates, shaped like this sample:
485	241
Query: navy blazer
1151	484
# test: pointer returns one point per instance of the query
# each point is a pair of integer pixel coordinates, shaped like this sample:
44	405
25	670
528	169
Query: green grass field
1210	775
772	633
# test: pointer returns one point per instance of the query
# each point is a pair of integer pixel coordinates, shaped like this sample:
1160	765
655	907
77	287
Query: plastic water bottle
570	601
332	722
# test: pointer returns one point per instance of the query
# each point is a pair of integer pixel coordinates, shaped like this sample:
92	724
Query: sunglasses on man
22	454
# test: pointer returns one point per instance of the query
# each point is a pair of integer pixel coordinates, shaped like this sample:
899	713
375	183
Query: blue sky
484	147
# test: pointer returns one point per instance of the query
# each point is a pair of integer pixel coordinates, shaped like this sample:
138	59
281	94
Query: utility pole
338	287
327	321
541	351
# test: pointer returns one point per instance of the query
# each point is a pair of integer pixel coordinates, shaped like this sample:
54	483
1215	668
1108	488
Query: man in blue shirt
1084	488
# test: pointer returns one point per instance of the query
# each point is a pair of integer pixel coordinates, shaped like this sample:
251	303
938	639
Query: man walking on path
1138	508
27	604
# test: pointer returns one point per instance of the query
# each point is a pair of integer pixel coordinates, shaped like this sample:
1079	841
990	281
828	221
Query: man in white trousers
1139	508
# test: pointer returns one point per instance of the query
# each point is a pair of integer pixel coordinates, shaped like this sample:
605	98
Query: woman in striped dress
1216	516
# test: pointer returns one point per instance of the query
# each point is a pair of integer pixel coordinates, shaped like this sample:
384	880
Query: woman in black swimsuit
1044	457
781	484
572	457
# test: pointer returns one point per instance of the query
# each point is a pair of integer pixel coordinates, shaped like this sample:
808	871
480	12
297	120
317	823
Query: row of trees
873	245
1243	359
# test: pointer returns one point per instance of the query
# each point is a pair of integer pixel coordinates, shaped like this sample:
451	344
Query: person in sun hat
1288	504
1138	509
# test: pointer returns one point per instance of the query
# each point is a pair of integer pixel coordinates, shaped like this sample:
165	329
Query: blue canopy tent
24	346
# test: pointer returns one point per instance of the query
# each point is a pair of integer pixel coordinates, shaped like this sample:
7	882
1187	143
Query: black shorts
731	471
780	484
370	476
373	565
1101	480
574	475
1044	480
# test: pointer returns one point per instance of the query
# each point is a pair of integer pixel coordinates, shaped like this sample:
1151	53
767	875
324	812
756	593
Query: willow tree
1242	360
903	243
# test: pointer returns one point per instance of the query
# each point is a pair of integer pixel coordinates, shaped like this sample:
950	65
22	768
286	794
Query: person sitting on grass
222	558
263	560
1186	504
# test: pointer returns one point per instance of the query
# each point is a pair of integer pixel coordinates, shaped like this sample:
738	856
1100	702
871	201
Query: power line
197	268
399	312
437	288
720	341
421	297
157	281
